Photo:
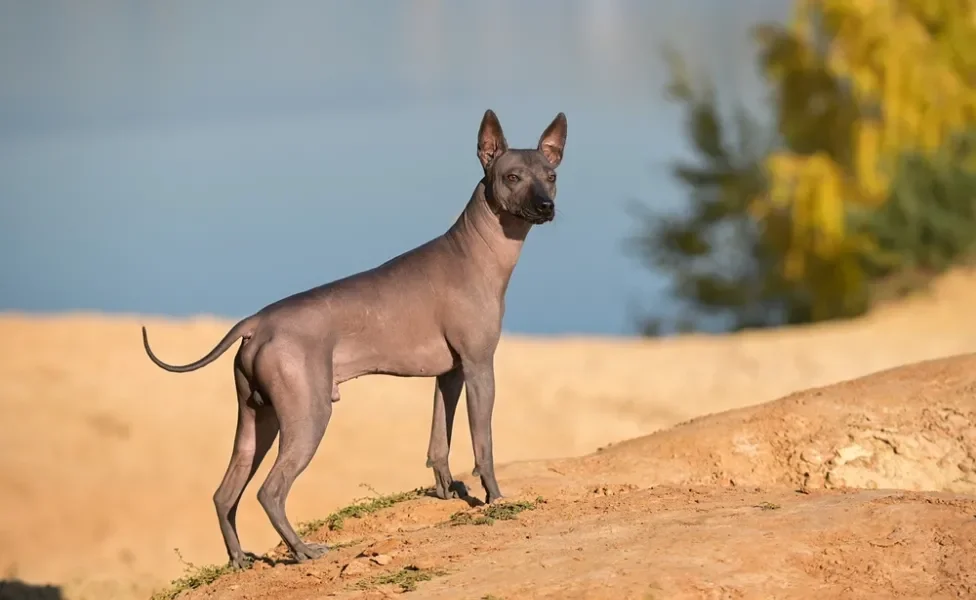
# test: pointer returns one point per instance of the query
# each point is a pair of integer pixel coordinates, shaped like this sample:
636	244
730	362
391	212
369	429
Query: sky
184	157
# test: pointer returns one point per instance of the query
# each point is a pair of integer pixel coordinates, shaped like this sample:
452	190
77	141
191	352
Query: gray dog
434	311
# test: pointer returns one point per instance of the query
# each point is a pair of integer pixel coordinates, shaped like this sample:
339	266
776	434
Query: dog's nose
546	206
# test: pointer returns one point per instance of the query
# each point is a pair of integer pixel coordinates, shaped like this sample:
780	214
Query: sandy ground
107	463
751	503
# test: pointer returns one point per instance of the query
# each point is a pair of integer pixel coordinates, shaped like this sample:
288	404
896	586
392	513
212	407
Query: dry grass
405	579
499	511
193	577
358	510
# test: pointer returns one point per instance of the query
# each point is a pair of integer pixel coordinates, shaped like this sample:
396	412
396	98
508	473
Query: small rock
612	490
388	546
422	564
851	453
355	568
381	559
811	456
958	421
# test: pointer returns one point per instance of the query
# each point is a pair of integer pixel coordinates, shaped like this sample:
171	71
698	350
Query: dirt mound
651	543
908	428
751	503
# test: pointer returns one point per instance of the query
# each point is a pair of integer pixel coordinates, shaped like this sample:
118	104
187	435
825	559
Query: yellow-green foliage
859	84
867	177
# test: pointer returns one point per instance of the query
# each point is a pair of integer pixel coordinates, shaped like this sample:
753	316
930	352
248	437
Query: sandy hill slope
750	503
107	464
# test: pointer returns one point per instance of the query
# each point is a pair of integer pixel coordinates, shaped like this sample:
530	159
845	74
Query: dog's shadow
14	589
462	492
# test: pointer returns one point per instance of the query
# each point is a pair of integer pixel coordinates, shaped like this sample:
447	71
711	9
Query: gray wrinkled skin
434	311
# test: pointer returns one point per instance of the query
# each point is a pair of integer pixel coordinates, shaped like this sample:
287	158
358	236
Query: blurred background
154	155
730	166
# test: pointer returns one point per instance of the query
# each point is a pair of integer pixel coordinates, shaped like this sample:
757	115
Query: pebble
811	456
355	568
388	546
422	564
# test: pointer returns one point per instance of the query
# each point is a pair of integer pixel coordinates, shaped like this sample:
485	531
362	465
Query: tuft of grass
193	578
506	511
466	518
358	510
767	506
406	578
500	511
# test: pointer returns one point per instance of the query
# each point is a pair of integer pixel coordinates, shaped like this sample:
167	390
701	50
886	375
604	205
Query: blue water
187	157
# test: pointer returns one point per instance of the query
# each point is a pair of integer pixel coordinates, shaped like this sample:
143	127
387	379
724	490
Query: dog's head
521	182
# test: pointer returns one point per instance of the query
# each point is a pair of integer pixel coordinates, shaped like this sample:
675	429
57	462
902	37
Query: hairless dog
434	311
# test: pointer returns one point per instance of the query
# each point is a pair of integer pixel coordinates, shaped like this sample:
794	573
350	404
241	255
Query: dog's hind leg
257	427
302	400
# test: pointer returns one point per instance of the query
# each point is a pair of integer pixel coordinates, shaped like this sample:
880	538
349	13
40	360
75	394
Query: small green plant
193	578
406	578
767	506
358	510
506	511
500	511
466	518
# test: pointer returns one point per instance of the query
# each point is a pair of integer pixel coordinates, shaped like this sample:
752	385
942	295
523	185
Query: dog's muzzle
543	210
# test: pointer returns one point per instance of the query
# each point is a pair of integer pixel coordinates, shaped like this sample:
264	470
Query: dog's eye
512	177
552	176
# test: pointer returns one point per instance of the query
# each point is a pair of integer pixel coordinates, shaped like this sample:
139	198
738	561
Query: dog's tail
242	328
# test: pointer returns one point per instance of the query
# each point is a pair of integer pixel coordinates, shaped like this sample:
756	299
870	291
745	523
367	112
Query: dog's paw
310	552
444	493
491	499
243	561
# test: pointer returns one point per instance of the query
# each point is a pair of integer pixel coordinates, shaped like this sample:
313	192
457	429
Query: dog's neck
491	237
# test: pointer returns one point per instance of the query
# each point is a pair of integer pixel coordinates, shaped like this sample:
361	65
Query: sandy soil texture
107	463
751	503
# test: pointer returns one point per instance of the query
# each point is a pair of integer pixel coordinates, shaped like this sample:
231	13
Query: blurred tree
871	172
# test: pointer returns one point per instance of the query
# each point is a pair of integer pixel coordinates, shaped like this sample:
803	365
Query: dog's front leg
479	380
447	392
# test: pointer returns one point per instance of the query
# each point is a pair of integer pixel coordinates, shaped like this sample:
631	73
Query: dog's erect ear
491	140
553	140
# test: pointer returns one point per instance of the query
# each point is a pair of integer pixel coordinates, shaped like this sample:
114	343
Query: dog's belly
429	358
